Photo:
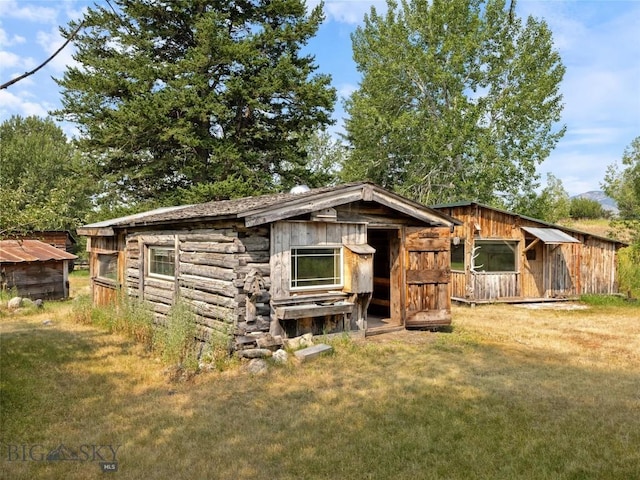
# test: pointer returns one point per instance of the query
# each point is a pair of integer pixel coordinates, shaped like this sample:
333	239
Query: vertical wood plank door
428	272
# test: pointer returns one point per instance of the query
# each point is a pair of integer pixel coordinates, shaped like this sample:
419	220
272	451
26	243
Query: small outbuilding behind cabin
498	255
353	257
34	269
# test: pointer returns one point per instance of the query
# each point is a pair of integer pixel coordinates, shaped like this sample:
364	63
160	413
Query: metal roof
20	251
562	228
551	236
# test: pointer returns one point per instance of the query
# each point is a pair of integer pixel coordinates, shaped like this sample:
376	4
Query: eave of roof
267	208
21	251
619	243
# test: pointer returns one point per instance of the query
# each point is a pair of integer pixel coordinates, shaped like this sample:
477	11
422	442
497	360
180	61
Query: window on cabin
316	267
162	261
108	266
495	256
457	255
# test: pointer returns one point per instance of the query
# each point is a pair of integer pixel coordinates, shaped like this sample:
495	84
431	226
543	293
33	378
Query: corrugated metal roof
551	236
19	251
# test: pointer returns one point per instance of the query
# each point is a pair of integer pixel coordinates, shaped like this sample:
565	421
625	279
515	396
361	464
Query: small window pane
495	256
108	266
162	261
313	267
457	256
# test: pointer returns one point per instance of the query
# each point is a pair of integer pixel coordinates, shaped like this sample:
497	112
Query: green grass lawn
510	393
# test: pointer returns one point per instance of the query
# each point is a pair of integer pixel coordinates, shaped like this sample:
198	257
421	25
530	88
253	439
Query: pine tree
174	95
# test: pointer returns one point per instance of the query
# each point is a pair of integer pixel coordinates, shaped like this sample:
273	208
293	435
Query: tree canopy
551	204
623	185
458	99
176	95
44	183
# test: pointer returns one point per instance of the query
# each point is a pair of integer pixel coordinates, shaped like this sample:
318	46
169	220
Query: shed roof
561	228
21	251
269	208
551	236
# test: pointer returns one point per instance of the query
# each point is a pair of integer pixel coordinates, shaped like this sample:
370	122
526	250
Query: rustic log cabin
34	269
354	257
500	256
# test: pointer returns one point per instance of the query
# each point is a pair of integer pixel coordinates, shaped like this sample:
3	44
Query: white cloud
11	104
32	12
50	41
348	11
7	42
10	60
345	90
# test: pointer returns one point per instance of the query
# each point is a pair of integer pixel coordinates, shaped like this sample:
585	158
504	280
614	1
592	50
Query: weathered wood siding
427	274
598	267
45	280
285	235
211	267
494	286
104	291
549	273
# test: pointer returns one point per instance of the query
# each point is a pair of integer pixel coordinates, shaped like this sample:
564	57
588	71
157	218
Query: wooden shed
35	269
498	255
354	257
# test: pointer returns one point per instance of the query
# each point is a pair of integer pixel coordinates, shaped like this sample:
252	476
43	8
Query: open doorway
380	312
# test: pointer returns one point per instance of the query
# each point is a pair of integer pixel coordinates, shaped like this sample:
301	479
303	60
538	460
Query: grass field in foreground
510	393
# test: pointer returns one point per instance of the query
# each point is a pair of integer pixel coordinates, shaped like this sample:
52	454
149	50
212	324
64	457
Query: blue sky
599	42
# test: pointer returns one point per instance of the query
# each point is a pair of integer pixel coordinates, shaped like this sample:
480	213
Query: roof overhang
550	236
365	192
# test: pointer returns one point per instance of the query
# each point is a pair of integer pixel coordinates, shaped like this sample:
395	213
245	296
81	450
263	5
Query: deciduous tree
623	185
459	99
44	181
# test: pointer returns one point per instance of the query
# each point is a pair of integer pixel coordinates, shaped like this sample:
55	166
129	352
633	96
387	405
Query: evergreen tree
175	95
458	100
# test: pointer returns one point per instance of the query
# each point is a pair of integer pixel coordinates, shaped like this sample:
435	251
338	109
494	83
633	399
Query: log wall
211	267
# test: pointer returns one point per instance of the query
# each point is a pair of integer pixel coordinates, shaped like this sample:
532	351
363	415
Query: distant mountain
607	203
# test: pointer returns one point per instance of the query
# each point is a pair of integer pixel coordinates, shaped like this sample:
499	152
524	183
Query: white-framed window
108	266
495	256
316	267
161	261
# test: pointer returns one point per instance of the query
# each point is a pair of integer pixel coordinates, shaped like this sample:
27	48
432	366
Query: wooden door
427	275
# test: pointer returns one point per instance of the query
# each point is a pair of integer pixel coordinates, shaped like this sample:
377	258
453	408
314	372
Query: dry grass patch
510	393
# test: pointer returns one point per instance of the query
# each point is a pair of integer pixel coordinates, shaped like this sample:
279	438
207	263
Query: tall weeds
175	341
629	270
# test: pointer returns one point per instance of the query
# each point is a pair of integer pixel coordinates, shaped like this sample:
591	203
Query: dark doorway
379	313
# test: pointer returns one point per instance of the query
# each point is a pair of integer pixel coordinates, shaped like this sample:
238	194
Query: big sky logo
80	453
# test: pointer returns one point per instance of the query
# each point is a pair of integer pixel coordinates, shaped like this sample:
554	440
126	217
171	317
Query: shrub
581	207
629	270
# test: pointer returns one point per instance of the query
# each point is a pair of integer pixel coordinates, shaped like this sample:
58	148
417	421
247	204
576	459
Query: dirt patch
553	306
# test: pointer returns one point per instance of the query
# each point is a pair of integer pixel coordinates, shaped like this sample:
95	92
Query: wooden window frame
110	259
150	262
513	246
338	253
